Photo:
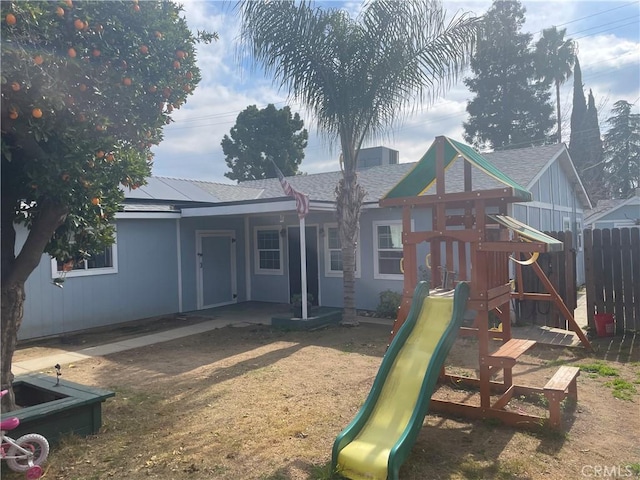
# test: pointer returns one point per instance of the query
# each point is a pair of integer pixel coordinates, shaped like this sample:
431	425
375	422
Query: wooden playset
473	238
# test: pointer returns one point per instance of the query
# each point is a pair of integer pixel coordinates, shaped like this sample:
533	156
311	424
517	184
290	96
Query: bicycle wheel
33	442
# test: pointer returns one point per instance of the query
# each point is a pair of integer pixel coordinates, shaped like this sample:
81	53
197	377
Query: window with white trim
333	252
387	250
102	262
268	251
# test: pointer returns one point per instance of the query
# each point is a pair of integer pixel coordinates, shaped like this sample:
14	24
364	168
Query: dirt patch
256	403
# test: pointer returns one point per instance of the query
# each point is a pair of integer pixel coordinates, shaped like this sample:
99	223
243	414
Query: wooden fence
560	268
612	269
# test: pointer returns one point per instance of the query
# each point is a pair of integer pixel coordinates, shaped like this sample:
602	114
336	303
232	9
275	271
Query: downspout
247	260
179	260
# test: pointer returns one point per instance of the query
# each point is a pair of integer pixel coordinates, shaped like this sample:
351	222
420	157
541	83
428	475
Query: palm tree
555	58
357	75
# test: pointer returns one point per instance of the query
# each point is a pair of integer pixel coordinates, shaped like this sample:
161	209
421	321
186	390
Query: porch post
303	267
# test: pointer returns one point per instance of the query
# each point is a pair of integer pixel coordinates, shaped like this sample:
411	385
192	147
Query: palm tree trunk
349	200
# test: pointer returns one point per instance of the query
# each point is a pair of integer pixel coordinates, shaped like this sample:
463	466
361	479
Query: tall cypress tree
578	112
591	170
622	150
511	109
585	145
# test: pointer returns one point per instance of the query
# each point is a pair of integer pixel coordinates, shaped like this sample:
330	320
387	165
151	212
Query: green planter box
318	318
54	410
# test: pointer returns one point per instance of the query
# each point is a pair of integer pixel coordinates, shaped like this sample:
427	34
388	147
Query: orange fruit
15	86
95	201
158	35
181	54
79	24
68	3
82	87
13	114
187	88
166	92
38	59
10	19
152	89
188	75
136	8
126	81
36	113
81	117
65	177
144	49
96	52
72	52
176	64
60	11
109	158
99	154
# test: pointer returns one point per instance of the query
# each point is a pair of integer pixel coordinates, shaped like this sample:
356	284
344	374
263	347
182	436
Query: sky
607	34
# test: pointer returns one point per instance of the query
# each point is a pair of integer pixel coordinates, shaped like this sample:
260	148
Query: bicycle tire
31	441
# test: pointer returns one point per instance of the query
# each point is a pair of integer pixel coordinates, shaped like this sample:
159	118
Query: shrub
389	304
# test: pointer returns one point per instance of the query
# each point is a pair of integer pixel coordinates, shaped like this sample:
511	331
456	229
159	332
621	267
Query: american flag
302	199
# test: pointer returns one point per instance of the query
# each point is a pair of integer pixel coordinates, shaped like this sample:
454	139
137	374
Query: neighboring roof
606	207
422	178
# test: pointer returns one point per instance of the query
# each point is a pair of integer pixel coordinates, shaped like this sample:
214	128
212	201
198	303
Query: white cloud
191	149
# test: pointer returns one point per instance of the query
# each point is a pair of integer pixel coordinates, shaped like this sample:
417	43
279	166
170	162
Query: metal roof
521	166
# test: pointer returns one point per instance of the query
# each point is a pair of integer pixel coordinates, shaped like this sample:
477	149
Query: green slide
379	439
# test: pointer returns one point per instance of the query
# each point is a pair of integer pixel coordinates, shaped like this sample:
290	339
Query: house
185	245
615	213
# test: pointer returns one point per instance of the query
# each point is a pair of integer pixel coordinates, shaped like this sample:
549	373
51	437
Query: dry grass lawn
255	403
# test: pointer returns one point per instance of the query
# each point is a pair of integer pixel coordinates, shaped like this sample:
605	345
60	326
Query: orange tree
87	87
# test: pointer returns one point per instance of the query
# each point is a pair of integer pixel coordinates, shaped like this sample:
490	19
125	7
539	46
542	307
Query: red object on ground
605	324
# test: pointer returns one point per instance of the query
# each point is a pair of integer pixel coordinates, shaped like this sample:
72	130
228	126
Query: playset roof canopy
423	176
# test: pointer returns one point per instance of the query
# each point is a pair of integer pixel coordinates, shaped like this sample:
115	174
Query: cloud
609	56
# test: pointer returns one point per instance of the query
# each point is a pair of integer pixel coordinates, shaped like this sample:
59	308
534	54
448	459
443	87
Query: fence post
589	276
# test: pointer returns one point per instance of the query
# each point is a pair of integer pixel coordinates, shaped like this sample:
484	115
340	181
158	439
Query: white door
216	269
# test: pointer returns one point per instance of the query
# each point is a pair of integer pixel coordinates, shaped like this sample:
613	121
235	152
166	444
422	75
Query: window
333	253
268	257
98	263
388	250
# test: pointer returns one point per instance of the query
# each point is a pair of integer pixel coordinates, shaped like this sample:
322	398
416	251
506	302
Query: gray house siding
555	207
160	270
145	284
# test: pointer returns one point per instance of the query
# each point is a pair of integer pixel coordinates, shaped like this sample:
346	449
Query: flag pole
303	267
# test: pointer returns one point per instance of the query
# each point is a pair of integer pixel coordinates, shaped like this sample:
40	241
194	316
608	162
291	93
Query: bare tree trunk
15	271
12	311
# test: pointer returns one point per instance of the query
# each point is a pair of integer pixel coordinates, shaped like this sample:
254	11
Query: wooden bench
508	353
562	385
